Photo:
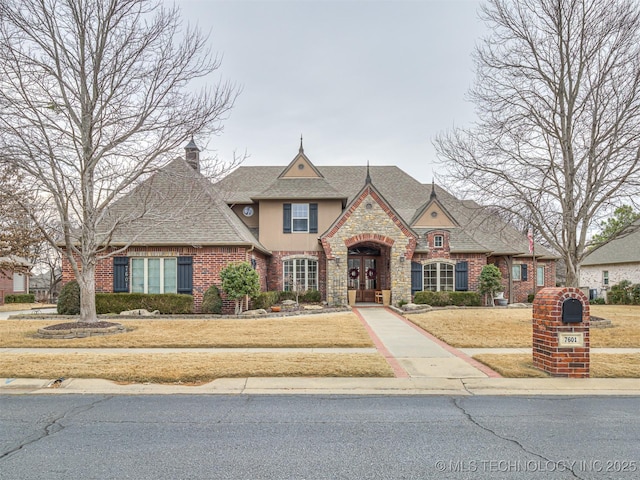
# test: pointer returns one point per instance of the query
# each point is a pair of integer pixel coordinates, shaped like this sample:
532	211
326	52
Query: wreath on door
354	273
371	273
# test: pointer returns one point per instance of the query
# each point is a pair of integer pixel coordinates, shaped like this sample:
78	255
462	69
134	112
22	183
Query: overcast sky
359	80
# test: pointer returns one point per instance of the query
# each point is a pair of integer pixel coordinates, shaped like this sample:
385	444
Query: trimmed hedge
212	301
20	298
443	299
265	300
165	303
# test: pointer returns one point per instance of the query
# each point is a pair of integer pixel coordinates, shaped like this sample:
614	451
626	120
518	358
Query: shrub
531	297
443	299
286	296
69	299
20	298
311	296
597	301
238	281
620	293
266	299
490	281
212	301
166	303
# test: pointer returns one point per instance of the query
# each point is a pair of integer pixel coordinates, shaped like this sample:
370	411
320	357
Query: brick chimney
192	155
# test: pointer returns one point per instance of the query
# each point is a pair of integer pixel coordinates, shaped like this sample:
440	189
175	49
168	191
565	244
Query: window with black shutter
416	277
313	218
462	276
523	272
286	218
120	274
185	275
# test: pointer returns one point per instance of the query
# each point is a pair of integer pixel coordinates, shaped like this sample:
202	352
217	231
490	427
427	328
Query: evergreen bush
212	301
69	299
20	298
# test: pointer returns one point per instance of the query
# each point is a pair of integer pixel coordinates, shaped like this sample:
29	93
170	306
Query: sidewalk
423	366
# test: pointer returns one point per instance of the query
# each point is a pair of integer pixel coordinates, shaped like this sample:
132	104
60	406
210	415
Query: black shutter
462	276
416	277
313	218
523	272
286	218
120	274
185	275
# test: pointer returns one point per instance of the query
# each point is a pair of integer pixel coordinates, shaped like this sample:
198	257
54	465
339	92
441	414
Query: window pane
540	277
446	277
137	275
299	282
437	241
287	273
300	210
153	275
515	272
170	275
312	275
431	277
300	225
18	282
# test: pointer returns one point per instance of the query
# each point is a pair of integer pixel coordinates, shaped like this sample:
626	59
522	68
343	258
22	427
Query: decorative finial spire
368	179
433	189
301	149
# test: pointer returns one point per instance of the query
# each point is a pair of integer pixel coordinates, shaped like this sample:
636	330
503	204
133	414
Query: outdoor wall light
402	258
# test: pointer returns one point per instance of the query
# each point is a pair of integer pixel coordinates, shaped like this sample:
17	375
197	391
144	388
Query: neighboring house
46	286
612	263
14	281
307	227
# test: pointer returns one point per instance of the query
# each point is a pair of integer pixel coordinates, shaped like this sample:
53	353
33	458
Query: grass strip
185	367
603	365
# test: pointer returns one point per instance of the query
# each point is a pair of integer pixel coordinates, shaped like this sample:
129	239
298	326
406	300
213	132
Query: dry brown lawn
602	365
13	307
190	367
505	328
341	329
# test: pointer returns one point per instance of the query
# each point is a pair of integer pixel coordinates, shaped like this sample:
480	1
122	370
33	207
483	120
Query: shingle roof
176	206
621	250
292	188
480	229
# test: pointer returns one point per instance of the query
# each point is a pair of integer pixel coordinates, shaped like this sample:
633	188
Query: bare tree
20	237
94	96
557	141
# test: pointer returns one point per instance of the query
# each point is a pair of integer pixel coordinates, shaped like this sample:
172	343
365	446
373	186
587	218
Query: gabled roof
621	250
176	206
480	229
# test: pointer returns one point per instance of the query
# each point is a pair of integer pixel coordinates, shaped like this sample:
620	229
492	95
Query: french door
363	277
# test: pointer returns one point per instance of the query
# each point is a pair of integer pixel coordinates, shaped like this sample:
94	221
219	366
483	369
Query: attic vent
301	166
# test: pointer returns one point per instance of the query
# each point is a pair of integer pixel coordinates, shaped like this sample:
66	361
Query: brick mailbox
561	332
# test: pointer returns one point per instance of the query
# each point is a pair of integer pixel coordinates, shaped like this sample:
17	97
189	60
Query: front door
363	277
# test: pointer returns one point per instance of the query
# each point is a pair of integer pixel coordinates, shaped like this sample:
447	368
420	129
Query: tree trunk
87	284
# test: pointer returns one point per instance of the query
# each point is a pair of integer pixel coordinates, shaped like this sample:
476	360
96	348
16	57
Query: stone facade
354	227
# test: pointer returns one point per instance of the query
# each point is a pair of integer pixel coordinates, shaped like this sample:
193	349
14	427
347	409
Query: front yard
511	328
335	330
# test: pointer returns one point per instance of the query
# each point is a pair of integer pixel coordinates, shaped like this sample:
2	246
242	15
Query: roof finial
433	189
368	179
301	149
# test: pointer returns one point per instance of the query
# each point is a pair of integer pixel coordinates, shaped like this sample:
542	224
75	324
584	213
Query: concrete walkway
413	352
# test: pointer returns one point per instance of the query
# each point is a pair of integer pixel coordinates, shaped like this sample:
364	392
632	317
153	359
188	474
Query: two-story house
337	229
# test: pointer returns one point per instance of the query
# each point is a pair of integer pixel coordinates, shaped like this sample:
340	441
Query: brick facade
523	288
275	278
548	354
207	264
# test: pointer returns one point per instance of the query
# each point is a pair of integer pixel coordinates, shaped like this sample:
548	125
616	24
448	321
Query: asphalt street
318	437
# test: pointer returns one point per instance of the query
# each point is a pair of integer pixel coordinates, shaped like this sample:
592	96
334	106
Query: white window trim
435	241
514	277
438	283
22	287
540	277
605	278
306	259
146	273
293	217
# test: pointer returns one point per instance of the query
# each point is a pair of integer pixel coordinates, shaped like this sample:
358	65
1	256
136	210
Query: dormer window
438	241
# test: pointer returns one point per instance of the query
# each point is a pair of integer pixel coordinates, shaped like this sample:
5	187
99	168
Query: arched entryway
368	270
